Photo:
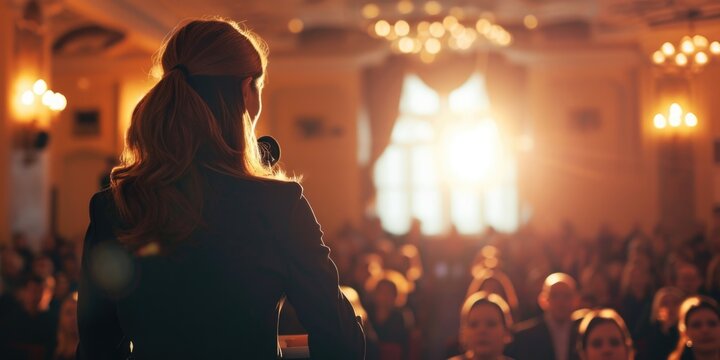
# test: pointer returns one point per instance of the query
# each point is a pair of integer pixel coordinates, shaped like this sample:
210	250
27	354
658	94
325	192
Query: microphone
269	150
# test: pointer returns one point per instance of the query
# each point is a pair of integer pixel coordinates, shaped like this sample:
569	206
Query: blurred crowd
38	299
543	296
493	296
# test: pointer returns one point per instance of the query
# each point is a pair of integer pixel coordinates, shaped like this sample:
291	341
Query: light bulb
295	25
530	21
701	58
668	49
675	109
658	57
48	97
406	45
437	29
405	6
715	47
686	45
659	121
433	46
402	28
691	120
27	98
700	41
59	102
370	11
681	59
382	28
39	87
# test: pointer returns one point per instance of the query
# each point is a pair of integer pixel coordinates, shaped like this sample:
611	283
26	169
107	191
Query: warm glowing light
686	45
675	109
27	98
504	39
715	47
48	97
437	29
681	59
382	28
691	120
700	41
406	45
370	11
489	251
295	25
433	46
471	153
457	12
450	22
701	58
658	57
675	118
668	49
59	102
659	121
156	72
483	26
132	346
405	6
402	28
530	21
433	7
39	87
75	295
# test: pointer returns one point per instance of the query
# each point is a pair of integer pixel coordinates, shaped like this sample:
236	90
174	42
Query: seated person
551	336
485	322
603	336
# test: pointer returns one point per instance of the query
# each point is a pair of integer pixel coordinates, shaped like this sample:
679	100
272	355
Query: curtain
382	88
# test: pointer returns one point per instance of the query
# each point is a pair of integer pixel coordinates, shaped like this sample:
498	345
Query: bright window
447	164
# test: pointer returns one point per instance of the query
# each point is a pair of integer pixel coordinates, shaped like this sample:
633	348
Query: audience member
602	335
485	323
699	330
553	335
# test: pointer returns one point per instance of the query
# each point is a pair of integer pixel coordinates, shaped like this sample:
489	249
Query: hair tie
182	69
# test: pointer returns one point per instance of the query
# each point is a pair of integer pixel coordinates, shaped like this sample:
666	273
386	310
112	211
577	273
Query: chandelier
430	29
691	53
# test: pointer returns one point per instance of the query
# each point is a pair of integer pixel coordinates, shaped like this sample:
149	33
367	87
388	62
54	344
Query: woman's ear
251	97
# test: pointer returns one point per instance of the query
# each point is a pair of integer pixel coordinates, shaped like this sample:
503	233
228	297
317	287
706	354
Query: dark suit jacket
533	341
215	296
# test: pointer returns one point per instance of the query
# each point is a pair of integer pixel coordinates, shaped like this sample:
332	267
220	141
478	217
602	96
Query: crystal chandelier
691	53
430	29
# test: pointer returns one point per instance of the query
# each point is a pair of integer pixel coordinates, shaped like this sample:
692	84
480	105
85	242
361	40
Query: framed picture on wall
86	123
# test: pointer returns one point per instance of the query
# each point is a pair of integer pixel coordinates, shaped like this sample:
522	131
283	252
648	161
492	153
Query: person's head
559	297
688	277
201	114
28	291
604	336
42	266
495	282
699	325
485	323
389	289
666	304
636	279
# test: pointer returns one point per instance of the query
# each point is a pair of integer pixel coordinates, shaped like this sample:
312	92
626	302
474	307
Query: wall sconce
675	118
36	104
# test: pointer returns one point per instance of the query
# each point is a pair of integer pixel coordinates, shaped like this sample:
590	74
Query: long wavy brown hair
193	118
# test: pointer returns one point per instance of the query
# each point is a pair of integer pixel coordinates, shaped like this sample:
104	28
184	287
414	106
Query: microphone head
269	150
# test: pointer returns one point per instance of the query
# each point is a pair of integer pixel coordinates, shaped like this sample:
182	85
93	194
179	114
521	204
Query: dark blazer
215	296
532	340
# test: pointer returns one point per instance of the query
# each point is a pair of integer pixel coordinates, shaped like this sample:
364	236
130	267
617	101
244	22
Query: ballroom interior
461	122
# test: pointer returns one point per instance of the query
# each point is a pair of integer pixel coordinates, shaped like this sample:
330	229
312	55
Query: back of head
195	117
